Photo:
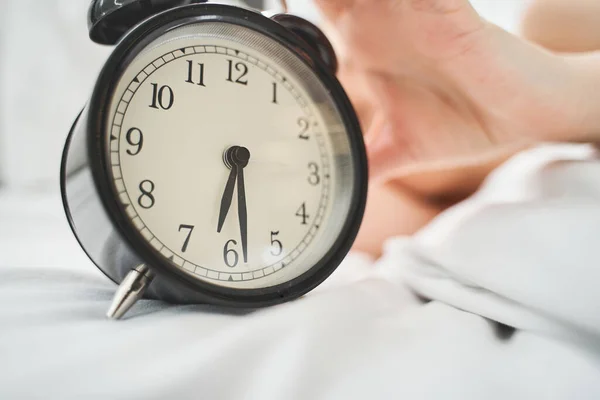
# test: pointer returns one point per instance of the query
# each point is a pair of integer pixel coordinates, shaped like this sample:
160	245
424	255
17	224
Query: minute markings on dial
136	83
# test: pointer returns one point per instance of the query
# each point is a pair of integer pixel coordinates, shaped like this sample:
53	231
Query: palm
434	83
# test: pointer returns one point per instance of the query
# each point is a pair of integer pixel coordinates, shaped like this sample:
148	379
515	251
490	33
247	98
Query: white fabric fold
520	253
523	251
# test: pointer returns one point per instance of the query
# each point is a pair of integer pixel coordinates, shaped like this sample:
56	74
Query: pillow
48	66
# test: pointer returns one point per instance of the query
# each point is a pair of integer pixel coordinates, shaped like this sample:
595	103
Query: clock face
229	157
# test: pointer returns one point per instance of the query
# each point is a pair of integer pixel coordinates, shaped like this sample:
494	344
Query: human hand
438	87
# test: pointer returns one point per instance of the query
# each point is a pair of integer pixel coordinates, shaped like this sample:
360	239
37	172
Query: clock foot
130	291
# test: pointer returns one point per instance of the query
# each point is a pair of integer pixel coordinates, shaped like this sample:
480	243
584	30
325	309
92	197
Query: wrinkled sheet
432	319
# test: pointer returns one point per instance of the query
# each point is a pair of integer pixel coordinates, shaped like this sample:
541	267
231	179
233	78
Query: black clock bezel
129	46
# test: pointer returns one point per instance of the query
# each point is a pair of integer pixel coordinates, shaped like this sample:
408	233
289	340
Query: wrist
585	121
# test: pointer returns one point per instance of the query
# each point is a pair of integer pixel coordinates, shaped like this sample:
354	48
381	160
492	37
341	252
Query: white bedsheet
522	252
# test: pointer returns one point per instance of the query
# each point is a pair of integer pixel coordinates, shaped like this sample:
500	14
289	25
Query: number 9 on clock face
229	158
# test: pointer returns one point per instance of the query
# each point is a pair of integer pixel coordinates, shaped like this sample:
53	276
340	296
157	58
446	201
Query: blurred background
47	71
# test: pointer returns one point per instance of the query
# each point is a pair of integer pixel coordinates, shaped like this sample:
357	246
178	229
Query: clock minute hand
242	212
242	157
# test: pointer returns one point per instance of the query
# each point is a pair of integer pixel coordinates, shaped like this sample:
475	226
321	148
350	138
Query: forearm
572	28
563	25
586	123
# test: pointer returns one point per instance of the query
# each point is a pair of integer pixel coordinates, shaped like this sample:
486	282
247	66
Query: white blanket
430	320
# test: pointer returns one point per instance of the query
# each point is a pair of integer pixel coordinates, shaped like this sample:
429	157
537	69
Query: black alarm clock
218	159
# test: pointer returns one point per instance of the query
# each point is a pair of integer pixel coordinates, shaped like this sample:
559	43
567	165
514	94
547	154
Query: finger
438	6
391	211
384	150
332	9
388	137
356	85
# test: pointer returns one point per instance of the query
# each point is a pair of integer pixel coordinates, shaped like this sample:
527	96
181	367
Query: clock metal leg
130	291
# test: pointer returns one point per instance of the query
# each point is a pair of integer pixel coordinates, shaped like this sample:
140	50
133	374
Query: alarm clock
218	160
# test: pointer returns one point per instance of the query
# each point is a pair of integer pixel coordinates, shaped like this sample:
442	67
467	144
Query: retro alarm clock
218	160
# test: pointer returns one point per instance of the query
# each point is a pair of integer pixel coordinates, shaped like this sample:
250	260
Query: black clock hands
237	159
228	193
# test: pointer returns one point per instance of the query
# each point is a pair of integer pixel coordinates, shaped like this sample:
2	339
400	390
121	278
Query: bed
455	312
495	299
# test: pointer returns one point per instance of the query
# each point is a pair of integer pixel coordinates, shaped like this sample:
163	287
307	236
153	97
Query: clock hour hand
228	193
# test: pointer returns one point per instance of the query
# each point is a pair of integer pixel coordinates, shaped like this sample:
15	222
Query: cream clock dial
176	116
